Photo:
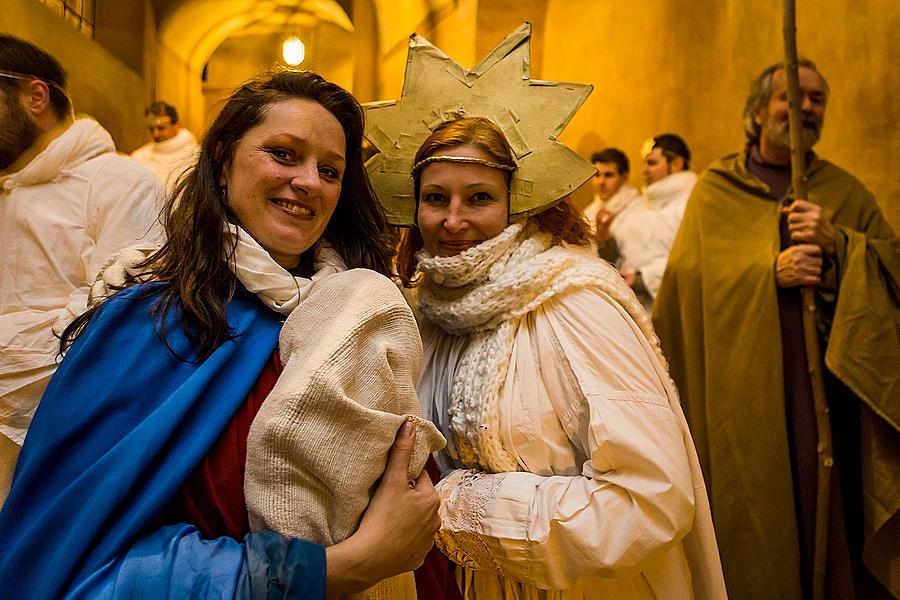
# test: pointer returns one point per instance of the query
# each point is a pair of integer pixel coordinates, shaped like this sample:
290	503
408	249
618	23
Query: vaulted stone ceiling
193	29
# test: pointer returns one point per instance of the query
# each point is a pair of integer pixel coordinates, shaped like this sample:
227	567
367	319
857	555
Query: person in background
729	315
612	193
68	202
645	229
173	149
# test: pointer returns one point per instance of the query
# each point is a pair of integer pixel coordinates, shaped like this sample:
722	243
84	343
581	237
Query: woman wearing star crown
569	471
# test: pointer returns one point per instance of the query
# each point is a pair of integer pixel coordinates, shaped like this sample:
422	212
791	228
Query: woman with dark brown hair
569	471
131	480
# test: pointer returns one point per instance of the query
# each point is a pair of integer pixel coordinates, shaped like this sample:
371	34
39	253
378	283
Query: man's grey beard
17	132
780	132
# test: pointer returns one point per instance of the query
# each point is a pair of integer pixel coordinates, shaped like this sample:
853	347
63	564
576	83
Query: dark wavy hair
563	221
612	156
673	146
194	261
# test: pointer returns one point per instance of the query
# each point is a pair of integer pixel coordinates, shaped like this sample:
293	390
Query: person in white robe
645	229
68	203
173	150
570	471
611	191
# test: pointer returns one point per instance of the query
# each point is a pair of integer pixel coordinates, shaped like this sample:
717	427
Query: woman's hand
397	529
602	222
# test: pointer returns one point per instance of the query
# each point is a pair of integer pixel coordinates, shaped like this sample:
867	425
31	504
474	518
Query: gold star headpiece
531	114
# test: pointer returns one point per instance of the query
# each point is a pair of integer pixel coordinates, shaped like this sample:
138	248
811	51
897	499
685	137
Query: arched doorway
207	47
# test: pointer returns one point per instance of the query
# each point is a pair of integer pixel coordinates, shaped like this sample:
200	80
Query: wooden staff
810	334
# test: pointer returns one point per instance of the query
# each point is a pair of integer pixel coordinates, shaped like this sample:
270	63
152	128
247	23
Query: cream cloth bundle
484	293
352	353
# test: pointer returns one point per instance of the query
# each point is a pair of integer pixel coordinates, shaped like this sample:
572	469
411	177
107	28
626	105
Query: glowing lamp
293	51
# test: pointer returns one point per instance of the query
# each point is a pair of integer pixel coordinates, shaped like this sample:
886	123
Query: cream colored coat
171	158
611	503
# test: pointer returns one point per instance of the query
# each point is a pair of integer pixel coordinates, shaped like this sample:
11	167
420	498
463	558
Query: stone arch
191	33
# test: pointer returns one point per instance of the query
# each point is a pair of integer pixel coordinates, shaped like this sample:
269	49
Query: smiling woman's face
284	180
461	204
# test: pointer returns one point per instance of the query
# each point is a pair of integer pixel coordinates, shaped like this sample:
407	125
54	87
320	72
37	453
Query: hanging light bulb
293	51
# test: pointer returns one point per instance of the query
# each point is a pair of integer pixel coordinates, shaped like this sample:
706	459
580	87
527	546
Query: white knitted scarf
484	293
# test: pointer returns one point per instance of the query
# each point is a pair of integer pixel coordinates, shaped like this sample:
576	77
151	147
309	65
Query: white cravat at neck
272	283
669	188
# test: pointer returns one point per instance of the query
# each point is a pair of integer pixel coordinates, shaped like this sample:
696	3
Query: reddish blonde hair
477	131
563	222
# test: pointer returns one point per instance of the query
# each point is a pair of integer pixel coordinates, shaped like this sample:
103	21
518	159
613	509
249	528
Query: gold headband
460	159
530	113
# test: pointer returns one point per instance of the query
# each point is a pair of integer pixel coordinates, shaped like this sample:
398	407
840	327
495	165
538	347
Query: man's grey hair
761	93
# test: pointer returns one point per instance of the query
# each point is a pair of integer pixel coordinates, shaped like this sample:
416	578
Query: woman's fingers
395	472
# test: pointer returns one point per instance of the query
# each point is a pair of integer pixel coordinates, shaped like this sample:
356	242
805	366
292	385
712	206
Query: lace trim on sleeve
460	537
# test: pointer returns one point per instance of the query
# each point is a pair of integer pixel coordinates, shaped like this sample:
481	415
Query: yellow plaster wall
686	67
682	67
396	20
497	18
454	33
449	24
178	83
366	76
99	83
115	25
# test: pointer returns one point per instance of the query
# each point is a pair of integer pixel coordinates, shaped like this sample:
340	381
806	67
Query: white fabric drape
272	283
61	218
645	229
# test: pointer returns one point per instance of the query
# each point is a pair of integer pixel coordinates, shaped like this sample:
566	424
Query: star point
531	114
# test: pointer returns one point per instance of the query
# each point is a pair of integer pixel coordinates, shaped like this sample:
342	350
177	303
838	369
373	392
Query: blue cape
121	426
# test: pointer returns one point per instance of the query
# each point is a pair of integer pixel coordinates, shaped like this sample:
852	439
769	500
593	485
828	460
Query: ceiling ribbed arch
195	28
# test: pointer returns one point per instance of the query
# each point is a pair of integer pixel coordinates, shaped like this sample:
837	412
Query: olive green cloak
717	317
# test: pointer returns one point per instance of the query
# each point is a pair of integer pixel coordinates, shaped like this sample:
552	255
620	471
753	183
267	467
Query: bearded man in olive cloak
729	316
